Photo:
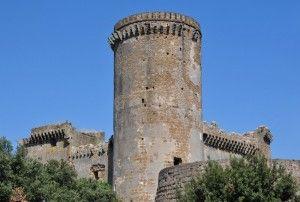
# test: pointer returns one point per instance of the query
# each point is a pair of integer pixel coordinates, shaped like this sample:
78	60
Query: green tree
93	190
54	181
246	179
6	172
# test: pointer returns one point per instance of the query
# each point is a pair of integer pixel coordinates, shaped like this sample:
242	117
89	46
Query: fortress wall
222	145
45	152
86	151
90	161
84	138
173	179
218	154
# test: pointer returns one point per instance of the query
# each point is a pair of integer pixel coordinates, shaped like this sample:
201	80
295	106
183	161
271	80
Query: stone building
157	116
85	151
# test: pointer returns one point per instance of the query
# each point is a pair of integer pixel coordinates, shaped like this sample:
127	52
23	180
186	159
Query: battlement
151	23
242	144
61	132
51	127
157	16
47	133
85	150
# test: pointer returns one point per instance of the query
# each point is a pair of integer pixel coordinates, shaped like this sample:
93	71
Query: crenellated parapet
160	23
247	144
48	134
83	149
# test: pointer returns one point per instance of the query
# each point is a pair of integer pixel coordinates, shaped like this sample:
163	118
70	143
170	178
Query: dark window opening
143	100
53	142
66	143
147	88
204	136
177	161
181	88
167	53
96	175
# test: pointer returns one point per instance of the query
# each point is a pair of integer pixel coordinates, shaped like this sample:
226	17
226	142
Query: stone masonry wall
221	145
85	151
172	180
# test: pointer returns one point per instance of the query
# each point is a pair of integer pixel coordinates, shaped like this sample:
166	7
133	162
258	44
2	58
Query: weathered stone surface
221	145
157	100
85	151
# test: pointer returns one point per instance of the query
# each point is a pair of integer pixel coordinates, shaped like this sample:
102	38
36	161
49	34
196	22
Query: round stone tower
157	99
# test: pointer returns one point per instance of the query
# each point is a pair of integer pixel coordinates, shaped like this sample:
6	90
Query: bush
246	179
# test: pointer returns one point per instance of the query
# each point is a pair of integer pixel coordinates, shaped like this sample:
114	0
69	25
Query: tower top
157	16
154	23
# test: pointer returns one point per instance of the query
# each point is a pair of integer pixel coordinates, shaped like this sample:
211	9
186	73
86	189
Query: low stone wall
172	179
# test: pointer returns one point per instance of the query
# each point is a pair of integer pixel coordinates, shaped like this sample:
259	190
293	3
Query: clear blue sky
56	65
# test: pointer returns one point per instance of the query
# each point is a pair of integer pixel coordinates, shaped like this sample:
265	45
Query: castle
157	115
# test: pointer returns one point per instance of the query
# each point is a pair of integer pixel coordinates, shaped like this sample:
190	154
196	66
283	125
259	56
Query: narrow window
96	175
143	100
177	161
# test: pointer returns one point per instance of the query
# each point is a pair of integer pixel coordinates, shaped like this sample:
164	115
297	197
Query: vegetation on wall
54	181
246	179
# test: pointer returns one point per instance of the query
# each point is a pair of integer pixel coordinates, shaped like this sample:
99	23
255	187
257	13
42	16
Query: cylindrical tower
157	99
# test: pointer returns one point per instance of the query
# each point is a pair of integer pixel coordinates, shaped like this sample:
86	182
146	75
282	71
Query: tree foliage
246	179
54	181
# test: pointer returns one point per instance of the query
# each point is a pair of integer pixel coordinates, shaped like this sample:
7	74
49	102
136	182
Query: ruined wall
173	179
47	151
49	142
85	151
157	100
221	145
87	137
90	161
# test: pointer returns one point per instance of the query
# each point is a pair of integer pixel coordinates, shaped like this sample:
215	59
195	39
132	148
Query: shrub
54	181
246	179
